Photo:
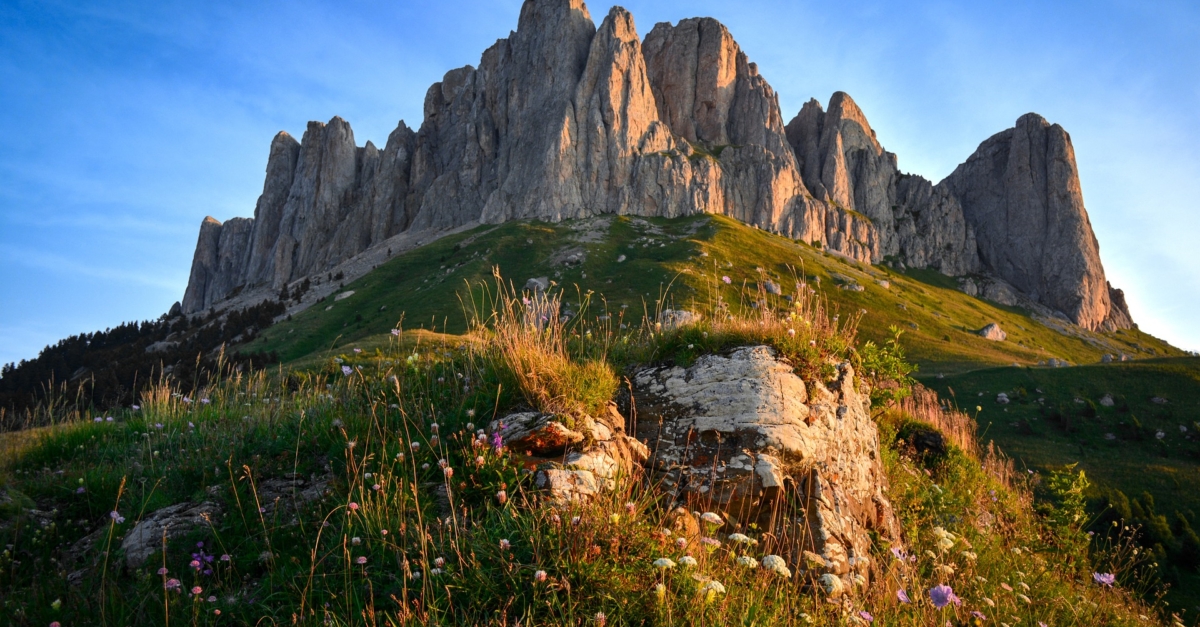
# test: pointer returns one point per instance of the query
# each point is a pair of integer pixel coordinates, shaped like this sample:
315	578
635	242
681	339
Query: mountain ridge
563	119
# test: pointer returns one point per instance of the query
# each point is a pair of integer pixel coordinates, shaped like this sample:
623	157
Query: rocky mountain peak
561	120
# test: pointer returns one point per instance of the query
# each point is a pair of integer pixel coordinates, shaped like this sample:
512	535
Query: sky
124	124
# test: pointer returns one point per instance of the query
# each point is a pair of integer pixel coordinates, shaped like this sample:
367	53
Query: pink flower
162	571
449	472
539	576
225	557
55	624
727	280
903	596
396	332
197	590
502	497
171	584
505	545
360	560
353	506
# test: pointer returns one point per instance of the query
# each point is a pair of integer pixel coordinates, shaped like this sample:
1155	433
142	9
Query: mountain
563	120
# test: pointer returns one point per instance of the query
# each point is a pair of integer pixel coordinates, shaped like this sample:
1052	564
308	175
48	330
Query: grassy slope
1134	462
425	286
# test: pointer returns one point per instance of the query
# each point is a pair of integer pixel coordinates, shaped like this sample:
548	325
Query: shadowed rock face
565	120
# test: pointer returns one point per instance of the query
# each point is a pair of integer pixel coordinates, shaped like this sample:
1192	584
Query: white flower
711	518
777	565
832	584
663	563
739	538
687	560
747	561
710	590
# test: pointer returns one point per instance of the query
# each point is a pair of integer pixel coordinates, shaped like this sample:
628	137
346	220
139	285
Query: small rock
538	284
671	318
772	288
343	295
993	332
1002	398
1158	400
1107	400
885	284
1106	359
620	258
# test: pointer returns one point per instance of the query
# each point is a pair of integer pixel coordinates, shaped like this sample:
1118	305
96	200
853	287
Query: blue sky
125	123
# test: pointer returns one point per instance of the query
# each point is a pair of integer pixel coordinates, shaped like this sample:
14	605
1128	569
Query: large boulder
742	435
993	332
173	521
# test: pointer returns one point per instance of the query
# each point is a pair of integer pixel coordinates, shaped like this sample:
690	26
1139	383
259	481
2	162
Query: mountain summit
564	120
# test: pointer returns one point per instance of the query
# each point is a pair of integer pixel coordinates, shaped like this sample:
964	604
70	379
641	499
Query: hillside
1133	427
681	262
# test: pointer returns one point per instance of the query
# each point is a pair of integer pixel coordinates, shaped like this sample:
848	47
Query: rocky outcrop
564	120
576	456
1020	192
742	435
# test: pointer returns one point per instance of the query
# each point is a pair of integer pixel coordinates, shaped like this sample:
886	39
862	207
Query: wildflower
903	596
415	446
197	590
1024	598
497	441
479	460
376	487
449	472
356	540
80	490
710	543
711	589
396	332
195	564
977	614
225	557
739	538
859	580
630	508
777	565
346	370
1006	587
832	584
688	561
502	498
680	542
211	599
554	518
1024	586
711	518
55	624
575	520
158	425
117	517
353	506
162	571
601	619
539	576
727	280
944	569
108	419
505	545
664	563
187	400
470	414
943	595
747	561
970	555
171	584
97	419
614	518
865	615
1104	579
660	592
205	401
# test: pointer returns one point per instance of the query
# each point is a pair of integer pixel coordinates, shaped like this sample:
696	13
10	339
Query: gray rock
993	332
1107	400
772	288
734	434
174	520
1107	358
672	318
538	284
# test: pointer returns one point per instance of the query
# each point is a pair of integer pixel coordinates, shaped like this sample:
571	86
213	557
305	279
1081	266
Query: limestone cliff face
1020	191
565	120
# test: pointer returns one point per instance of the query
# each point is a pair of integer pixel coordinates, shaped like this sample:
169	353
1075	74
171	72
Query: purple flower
136	407
225	558
498	440
727	280
108	419
396	332
187	400
346	370
162	571
360	560
80	490
117	517
865	615
97	419
205	401
358	350
978	614
943	595
898	553
158	425
171	584
903	596
1105	579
